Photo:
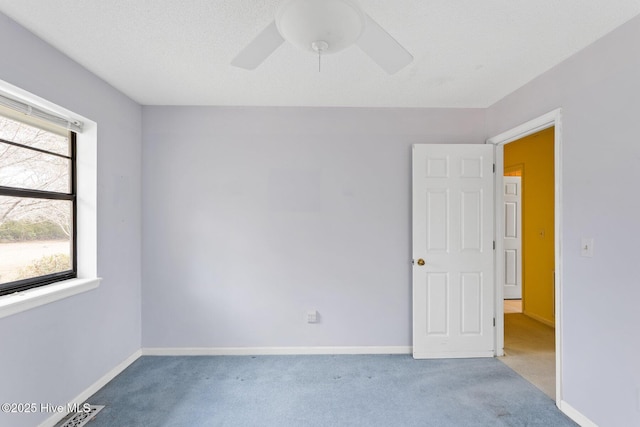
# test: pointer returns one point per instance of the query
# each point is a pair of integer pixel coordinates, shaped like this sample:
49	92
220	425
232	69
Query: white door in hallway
512	238
453	255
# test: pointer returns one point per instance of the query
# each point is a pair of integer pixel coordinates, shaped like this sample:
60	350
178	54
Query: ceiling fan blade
382	48
259	49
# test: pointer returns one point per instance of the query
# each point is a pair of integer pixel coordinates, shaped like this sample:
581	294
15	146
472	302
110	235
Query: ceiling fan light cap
319	46
339	23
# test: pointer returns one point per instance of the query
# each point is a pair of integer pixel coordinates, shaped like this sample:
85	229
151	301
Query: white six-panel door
453	255
512	238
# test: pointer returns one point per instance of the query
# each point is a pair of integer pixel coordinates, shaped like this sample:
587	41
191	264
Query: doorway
550	122
530	334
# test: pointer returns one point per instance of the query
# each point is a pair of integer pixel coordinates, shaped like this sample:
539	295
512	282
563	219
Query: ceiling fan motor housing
332	24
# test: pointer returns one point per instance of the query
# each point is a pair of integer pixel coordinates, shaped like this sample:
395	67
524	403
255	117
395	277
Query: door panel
437	220
437	292
453	291
471	303
471	213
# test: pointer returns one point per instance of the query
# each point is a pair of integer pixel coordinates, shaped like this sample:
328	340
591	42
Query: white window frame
87	248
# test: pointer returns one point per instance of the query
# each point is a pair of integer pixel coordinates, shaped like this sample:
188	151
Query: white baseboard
264	351
575	415
540	319
93	388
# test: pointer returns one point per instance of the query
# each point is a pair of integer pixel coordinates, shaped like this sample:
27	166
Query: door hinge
494	168
494	245
494	322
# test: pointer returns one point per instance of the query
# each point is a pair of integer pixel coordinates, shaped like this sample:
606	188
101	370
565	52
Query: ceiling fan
323	27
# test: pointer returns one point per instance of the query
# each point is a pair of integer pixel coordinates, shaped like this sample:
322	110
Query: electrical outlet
312	316
586	247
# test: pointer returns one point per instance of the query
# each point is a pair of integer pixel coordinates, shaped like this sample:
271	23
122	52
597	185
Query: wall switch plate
586	247
312	316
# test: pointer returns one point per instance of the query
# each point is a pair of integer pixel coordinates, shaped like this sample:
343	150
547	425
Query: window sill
32	298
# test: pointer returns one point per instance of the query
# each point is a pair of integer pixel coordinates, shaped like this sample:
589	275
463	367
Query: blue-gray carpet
376	390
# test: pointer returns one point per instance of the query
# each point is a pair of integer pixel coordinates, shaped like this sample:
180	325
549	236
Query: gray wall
599	92
252	216
52	353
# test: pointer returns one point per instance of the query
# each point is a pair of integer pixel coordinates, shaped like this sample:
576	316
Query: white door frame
553	118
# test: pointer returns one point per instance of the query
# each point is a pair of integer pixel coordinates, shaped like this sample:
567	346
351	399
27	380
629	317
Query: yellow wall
533	158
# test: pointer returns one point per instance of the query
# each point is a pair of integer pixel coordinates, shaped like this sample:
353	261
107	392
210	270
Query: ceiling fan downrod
319	46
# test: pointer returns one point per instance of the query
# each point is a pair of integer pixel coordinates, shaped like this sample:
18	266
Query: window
37	202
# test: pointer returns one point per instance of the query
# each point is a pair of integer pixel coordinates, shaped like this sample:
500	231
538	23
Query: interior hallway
529	348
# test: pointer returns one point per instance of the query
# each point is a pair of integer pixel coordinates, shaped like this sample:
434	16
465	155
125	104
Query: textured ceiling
468	53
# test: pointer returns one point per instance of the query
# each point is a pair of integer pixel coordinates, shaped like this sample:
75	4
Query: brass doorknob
420	261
